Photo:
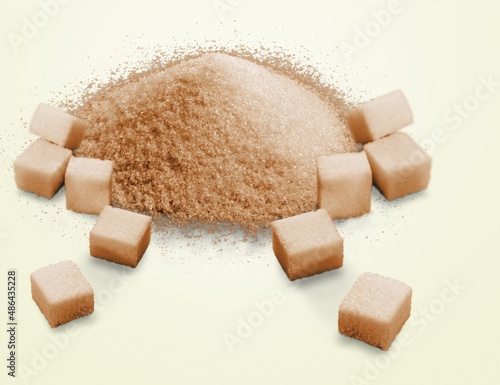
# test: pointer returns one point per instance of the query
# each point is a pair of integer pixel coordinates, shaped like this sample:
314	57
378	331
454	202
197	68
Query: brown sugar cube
62	293
379	117
375	310
88	185
120	236
40	168
399	165
344	184
307	244
58	126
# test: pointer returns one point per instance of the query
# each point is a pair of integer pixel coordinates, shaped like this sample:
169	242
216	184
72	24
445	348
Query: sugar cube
375	310
40	168
307	244
88	184
62	293
120	236
58	126
399	165
344	184
379	117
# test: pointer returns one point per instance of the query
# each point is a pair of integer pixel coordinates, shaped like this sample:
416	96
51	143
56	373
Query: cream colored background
164	321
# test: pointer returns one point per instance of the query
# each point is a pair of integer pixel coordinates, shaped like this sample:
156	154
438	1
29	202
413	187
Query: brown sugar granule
216	138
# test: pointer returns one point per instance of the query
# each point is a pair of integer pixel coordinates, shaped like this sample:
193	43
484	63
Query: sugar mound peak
215	138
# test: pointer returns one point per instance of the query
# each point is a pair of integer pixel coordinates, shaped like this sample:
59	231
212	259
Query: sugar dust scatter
215	138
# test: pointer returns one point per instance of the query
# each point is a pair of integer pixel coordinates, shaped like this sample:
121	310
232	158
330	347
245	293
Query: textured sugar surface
376	296
89	168
215	138
122	225
61	281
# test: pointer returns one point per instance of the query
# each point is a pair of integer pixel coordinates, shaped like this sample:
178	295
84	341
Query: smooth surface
57	126
41	167
165	321
89	184
62	292
344	184
307	244
375	309
399	166
120	236
379	117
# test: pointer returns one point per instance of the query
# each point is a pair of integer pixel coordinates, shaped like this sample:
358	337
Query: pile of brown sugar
215	138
